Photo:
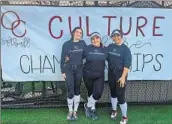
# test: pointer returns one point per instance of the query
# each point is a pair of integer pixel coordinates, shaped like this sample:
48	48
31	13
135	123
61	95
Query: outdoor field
138	114
38	72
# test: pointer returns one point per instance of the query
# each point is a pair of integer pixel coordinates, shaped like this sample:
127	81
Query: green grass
154	114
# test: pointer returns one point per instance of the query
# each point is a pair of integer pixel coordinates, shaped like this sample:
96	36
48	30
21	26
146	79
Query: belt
75	66
115	70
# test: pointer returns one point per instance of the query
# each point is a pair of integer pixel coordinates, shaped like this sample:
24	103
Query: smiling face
117	39
96	40
77	35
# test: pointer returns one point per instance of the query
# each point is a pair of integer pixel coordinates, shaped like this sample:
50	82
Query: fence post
52	86
19	88
44	89
33	88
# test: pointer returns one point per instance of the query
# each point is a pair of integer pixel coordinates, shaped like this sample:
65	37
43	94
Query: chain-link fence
53	94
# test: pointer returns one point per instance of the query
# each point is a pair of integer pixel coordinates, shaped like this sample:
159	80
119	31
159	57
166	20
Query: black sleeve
84	49
127	58
84	43
62	64
106	50
83	53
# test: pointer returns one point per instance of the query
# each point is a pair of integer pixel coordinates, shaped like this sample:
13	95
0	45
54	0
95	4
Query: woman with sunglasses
119	62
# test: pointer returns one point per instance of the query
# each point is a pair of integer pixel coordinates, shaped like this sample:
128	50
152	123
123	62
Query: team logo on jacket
76	47
114	53
114	50
96	50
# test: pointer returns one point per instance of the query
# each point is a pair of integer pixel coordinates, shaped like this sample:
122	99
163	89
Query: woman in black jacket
93	73
71	69
119	62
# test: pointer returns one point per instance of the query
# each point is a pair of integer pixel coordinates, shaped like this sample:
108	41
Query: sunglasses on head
116	35
95	37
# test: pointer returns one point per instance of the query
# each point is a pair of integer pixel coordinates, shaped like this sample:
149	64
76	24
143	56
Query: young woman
93	73
119	62
71	69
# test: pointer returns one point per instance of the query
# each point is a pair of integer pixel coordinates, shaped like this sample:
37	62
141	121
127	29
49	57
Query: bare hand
64	75
122	82
66	58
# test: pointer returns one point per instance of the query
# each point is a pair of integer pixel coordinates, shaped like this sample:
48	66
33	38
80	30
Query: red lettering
87	26
69	20
138	27
14	26
50	31
17	16
109	22
156	27
121	28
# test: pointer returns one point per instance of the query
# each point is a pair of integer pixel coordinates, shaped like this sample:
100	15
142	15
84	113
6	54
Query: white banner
32	38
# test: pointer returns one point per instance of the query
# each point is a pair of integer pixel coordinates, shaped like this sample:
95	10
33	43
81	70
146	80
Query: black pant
115	89
73	80
95	86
